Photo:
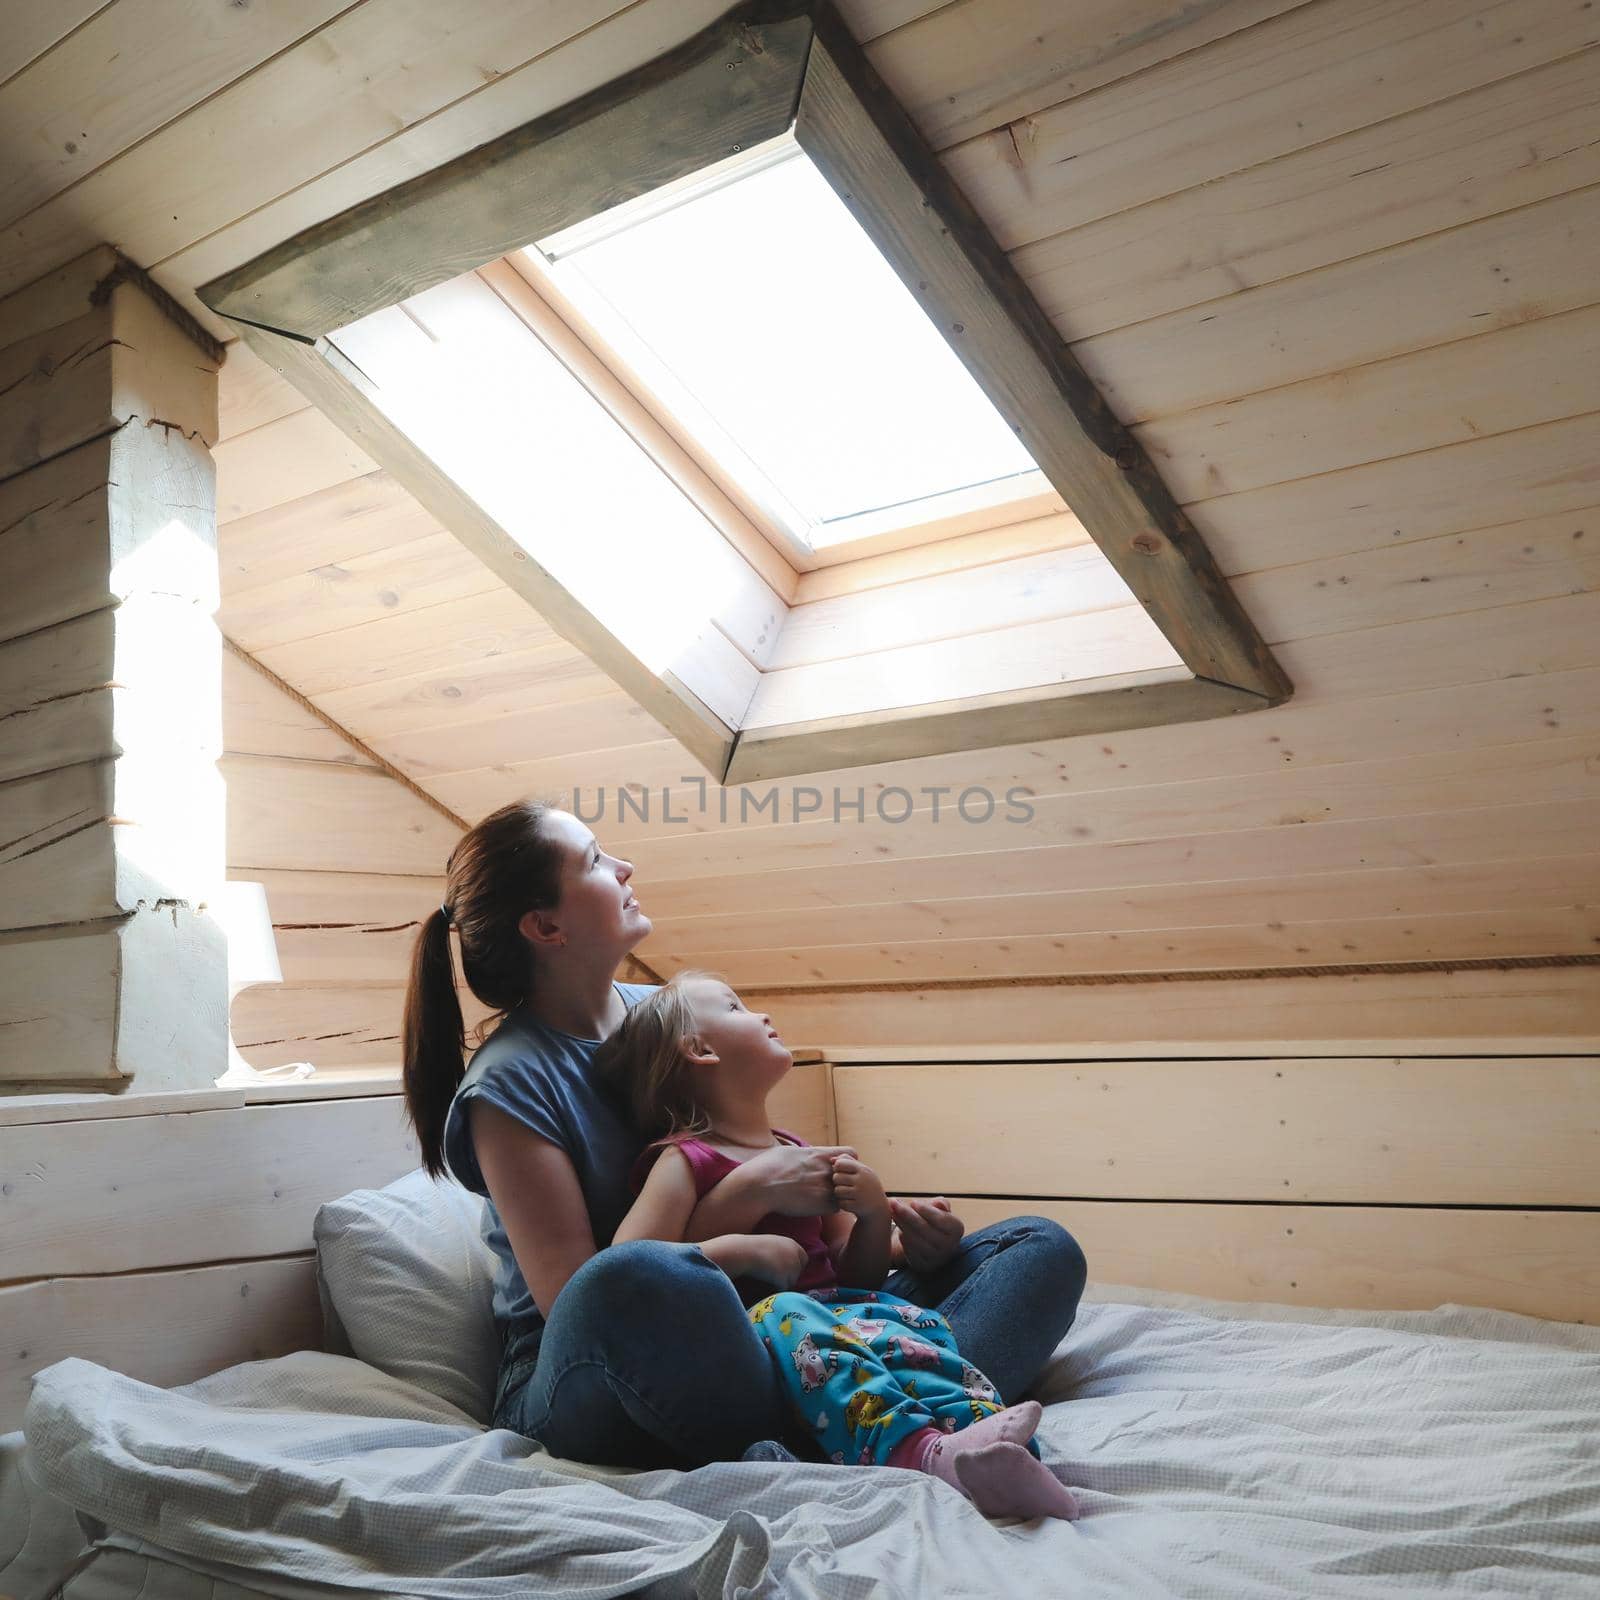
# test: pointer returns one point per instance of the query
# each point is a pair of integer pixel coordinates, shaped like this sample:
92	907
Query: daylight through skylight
766	319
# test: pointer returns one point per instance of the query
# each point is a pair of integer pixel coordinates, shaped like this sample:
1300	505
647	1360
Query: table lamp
252	959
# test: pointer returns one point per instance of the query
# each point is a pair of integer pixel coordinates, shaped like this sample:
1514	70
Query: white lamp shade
252	951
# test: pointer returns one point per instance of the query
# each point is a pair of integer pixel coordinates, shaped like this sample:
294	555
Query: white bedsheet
1288	1453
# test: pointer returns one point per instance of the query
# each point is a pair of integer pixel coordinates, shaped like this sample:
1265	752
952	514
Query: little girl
879	1380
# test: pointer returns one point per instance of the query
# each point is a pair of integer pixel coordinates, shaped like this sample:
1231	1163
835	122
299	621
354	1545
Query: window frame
764	68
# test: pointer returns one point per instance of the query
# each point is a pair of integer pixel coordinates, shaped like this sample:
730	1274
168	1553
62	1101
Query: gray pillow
407	1285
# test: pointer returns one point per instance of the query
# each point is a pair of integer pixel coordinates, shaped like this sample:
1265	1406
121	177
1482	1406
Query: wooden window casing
766	68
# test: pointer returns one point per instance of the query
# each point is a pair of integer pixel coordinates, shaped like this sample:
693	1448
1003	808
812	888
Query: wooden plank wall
1277	302
352	861
167	1243
1382	1140
167	1236
1277	233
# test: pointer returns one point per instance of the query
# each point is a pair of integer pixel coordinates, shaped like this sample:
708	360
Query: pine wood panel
1449	1131
1489	833
1539	1263
350	1027
1521	681
1554	770
1036	536
359	589
568	729
1484	1011
34	29
200	1186
1533	472
1543	636
356	518
250	393
999	594
346	929
978	64
1484	568
58	119
259	719
1297	80
1541	371
453	636
1105	921
547	676
1078	654
318	815
162	1328
1517	930
1504	145
291	456
1525	264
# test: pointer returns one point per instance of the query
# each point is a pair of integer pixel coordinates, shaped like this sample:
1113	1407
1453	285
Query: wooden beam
852	128
1154	699
700	731
728	87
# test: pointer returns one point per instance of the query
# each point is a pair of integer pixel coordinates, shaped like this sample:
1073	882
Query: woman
640	1354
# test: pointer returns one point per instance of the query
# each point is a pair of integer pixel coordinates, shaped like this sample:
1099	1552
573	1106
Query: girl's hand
796	1180
774	1259
930	1233
858	1188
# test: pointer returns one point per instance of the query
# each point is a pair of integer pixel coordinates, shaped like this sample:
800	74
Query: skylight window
738	445
762	316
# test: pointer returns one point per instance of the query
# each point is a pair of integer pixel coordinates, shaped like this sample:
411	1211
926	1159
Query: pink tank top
710	1167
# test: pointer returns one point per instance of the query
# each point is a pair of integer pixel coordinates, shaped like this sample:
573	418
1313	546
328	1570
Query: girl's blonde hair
645	1064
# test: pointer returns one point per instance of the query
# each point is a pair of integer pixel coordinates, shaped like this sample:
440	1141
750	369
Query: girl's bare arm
663	1209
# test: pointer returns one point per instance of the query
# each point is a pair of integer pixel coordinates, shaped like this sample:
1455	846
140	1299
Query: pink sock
986	1462
933	1450
1003	1480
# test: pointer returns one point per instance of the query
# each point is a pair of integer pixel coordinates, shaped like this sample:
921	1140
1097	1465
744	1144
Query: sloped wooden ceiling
1333	260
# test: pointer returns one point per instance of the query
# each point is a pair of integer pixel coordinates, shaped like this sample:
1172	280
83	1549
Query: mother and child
677	1281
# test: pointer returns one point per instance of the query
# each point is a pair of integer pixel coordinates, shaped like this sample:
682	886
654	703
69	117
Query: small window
751	304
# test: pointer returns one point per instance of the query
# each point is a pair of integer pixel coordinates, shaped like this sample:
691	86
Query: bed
1219	1450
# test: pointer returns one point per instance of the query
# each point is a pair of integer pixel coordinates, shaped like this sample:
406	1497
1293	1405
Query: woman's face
598	909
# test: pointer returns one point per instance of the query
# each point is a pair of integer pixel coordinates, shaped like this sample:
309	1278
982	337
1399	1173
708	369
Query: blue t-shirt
542	1077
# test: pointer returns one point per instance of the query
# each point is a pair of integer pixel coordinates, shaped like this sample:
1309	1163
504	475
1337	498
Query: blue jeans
649	1359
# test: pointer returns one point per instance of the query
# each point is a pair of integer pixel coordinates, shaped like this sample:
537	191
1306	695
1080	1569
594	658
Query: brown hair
643	1061
499	870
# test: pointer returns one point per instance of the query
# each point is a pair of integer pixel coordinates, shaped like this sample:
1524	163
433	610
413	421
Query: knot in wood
1147	544
1127	458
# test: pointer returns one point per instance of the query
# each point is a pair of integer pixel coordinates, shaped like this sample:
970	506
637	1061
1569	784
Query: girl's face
597	909
744	1041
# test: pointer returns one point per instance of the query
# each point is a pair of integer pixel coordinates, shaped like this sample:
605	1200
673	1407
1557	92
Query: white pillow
407	1286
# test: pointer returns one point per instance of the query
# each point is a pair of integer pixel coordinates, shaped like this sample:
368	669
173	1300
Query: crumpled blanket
1294	1453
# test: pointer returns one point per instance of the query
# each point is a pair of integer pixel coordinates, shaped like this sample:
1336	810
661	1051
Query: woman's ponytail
499	870
432	1039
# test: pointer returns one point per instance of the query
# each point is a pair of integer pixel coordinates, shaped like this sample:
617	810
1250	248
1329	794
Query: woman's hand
796	1180
930	1233
857	1188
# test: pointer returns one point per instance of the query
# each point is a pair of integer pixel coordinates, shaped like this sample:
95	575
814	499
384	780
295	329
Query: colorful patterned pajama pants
867	1370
